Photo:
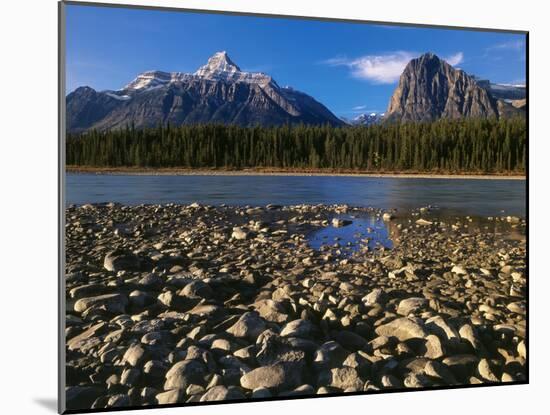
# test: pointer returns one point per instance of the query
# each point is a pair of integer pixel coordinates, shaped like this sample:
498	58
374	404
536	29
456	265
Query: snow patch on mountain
119	97
502	90
219	67
366	119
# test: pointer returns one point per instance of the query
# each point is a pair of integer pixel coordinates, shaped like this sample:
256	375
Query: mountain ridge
430	88
218	91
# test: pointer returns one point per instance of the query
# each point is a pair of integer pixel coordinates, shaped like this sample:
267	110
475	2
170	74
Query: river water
477	197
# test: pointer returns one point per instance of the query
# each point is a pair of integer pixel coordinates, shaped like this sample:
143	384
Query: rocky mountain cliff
429	88
217	92
220	92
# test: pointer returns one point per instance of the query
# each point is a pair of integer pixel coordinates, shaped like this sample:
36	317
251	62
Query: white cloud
386	68
338	61
455	59
359	108
380	69
510	45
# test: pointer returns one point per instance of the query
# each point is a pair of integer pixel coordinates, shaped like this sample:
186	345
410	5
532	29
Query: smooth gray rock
249	326
376	296
112	303
343	378
196	289
119	260
403	328
134	355
411	305
168	397
277	377
221	393
271	310
434	348
299	328
184	373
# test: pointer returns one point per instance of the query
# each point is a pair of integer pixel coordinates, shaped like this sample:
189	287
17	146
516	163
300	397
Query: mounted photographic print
261	207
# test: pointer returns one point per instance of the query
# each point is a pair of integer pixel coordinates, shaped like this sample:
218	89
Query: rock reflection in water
365	232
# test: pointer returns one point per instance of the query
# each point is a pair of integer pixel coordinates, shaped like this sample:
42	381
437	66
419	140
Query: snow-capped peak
219	67
218	63
367	119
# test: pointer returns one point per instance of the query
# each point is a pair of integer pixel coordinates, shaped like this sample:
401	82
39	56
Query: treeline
476	145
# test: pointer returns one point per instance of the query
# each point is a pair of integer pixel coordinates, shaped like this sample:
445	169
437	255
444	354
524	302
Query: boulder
121	260
249	326
221	393
411	305
461	365
434	349
196	289
376	296
239	233
344	378
403	328
81	397
184	373
338	223
279	377
271	310
349	340
485	372
299	328
169	397
112	303
134	355
118	401
75	342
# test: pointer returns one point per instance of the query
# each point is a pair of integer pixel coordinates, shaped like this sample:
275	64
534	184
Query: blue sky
350	67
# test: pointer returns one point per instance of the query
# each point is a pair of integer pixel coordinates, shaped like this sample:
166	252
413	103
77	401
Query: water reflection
368	232
364	233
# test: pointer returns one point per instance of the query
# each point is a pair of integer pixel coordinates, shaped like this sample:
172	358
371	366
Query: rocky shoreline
190	303
174	171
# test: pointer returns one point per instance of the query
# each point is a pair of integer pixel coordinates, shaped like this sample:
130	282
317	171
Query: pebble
199	303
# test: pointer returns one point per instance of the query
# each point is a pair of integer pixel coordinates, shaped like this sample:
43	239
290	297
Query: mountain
217	92
429	88
507	92
365	119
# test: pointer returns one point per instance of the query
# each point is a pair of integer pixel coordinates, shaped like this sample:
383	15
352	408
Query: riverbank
192	303
281	172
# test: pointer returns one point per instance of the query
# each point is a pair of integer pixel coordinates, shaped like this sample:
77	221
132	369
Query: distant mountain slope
217	92
508	92
365	119
429	89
